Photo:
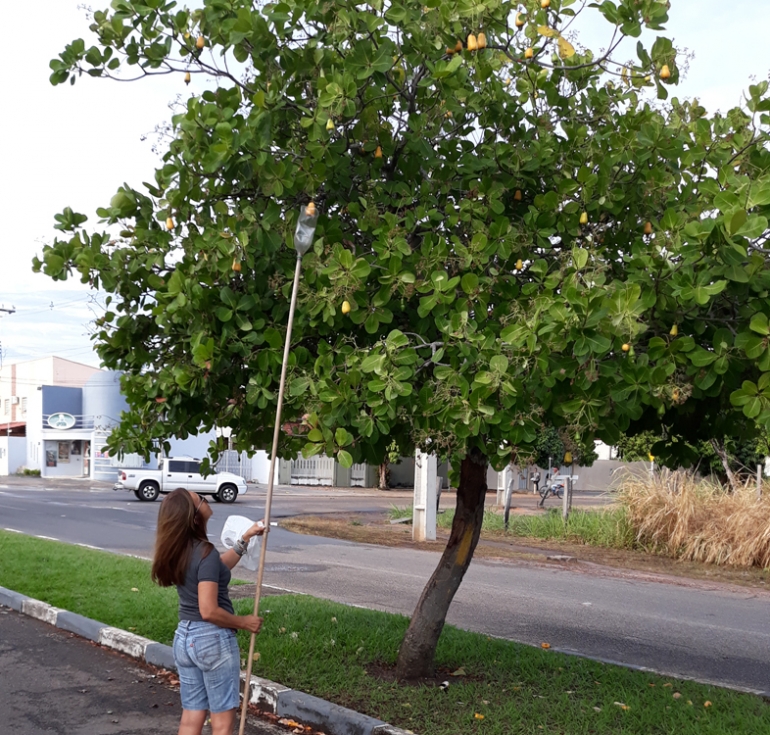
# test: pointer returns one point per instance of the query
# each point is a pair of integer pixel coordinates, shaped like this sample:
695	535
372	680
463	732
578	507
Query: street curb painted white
120	640
269	695
40	610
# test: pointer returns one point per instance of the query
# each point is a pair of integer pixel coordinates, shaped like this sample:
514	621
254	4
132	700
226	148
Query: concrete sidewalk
274	700
52	681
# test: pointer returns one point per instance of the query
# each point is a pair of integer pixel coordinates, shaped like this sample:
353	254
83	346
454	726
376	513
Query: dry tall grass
692	518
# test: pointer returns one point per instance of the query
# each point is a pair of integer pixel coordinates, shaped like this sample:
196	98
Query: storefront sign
61	421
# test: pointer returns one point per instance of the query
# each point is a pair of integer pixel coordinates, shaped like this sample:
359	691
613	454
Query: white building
19	382
20	398
57	416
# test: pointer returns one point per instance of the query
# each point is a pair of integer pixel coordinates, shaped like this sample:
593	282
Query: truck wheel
227	494
148	491
216	498
138	495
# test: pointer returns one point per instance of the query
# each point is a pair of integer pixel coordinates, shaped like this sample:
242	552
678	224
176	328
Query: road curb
269	695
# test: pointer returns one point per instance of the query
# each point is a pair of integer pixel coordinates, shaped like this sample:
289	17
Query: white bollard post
424	504
565	501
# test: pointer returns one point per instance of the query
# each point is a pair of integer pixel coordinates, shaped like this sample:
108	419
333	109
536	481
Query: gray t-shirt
210	569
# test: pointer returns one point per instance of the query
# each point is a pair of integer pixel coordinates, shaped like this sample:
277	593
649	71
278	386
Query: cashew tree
527	234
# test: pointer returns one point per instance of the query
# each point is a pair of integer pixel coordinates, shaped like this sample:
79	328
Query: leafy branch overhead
522	237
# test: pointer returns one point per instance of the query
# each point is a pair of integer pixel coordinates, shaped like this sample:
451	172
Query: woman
205	649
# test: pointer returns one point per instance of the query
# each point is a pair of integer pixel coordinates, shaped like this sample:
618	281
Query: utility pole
12	310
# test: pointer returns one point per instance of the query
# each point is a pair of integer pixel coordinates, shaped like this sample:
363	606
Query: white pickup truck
174	472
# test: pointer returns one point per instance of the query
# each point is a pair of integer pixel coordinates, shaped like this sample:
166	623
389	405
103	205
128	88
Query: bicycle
550	488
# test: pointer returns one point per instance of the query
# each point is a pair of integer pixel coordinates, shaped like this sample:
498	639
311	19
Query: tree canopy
528	236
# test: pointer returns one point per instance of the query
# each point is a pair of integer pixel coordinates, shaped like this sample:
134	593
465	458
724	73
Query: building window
23	406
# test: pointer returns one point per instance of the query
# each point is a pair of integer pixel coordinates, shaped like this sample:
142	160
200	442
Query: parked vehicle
174	472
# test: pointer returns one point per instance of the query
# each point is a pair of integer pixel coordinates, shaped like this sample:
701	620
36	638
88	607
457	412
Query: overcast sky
74	145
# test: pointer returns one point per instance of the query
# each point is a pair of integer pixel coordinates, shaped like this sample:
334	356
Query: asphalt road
55	682
719	634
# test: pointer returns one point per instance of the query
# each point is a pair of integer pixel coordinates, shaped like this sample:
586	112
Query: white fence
238	463
358	475
313	471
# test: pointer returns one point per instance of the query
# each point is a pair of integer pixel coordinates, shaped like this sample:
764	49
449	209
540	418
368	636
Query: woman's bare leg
192	721
222	722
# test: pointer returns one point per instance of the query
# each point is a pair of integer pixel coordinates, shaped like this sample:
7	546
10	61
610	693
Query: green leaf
499	363
469	282
341	437
737	273
753	227
701	358
760	195
598	343
345	459
737	221
310	450
580	257
760	324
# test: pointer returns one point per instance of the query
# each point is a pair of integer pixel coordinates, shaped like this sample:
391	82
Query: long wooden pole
269	500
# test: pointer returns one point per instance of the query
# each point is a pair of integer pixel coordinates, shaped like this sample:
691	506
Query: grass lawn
608	527
346	655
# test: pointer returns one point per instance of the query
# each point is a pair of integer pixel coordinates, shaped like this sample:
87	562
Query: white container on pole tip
234	528
303	235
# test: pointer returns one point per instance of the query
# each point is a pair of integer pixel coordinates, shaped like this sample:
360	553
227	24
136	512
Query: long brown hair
179	527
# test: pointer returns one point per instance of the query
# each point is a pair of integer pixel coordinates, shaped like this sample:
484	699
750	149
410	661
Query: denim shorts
209	665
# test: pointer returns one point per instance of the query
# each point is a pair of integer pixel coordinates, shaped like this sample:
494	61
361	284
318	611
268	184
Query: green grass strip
335	652
609	528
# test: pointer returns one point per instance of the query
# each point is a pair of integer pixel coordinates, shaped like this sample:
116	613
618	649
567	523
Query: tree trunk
382	482
725	459
418	649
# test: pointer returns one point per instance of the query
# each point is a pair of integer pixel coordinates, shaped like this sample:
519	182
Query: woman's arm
208	604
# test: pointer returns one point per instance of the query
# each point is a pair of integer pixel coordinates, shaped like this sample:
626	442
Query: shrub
695	519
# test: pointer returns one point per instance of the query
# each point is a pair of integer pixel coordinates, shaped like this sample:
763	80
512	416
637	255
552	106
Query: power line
52	306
